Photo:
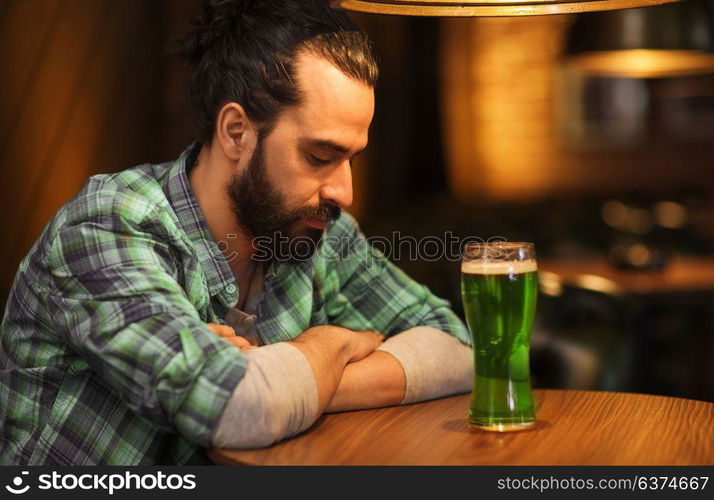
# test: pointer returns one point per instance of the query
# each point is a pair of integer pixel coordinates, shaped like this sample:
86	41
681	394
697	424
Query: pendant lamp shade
489	8
663	41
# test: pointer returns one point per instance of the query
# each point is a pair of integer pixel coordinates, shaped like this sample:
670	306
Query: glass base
502	427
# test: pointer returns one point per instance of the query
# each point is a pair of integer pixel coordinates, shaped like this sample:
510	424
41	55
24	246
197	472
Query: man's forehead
330	99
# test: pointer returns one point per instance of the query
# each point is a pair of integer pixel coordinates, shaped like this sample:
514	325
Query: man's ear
234	130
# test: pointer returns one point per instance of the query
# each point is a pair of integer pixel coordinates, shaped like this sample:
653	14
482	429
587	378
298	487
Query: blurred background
590	135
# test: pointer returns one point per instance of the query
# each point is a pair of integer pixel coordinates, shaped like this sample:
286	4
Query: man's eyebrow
327	144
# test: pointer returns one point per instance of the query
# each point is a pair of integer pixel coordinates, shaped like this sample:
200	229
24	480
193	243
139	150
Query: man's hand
367	377
328	349
362	344
377	380
229	334
350	345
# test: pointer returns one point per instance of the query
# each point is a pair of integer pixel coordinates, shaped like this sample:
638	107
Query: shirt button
231	288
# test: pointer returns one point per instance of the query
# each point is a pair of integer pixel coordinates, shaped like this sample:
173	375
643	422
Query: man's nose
339	186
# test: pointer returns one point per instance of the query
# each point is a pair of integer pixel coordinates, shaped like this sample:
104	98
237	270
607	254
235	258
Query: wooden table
573	428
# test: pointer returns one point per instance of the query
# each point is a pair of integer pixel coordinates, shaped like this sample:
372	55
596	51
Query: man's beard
260	211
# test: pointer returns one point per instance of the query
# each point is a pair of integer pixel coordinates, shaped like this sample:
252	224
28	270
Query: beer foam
498	266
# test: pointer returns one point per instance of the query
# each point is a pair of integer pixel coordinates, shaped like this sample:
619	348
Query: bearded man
224	299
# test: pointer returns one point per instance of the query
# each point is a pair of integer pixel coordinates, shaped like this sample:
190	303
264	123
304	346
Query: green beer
499	302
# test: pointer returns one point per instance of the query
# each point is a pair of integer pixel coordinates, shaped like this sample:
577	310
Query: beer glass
499	287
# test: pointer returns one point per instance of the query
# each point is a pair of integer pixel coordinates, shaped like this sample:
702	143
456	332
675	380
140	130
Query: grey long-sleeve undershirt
277	397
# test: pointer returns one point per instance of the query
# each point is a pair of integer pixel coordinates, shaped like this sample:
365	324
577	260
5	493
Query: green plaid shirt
105	357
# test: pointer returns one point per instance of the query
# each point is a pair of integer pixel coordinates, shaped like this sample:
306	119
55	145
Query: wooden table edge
225	456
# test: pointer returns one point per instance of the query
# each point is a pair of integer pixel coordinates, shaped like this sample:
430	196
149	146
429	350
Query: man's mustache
325	211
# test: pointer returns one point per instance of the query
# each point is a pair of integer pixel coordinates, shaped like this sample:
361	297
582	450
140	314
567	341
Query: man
161	312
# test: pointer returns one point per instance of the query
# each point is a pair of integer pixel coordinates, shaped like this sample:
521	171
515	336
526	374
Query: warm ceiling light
642	63
665	41
489	8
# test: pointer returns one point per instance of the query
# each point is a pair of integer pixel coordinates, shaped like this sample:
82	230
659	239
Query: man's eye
316	160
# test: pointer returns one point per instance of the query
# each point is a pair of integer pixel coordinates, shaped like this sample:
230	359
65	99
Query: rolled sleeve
276	399
435	364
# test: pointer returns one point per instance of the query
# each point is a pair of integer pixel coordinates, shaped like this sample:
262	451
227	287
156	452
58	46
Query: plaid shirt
105	356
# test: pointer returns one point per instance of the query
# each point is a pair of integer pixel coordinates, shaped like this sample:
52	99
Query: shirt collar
221	281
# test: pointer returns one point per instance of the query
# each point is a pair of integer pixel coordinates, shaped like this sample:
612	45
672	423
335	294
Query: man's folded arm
416	365
288	385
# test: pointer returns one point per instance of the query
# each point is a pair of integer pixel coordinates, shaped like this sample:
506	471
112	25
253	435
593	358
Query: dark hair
243	51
